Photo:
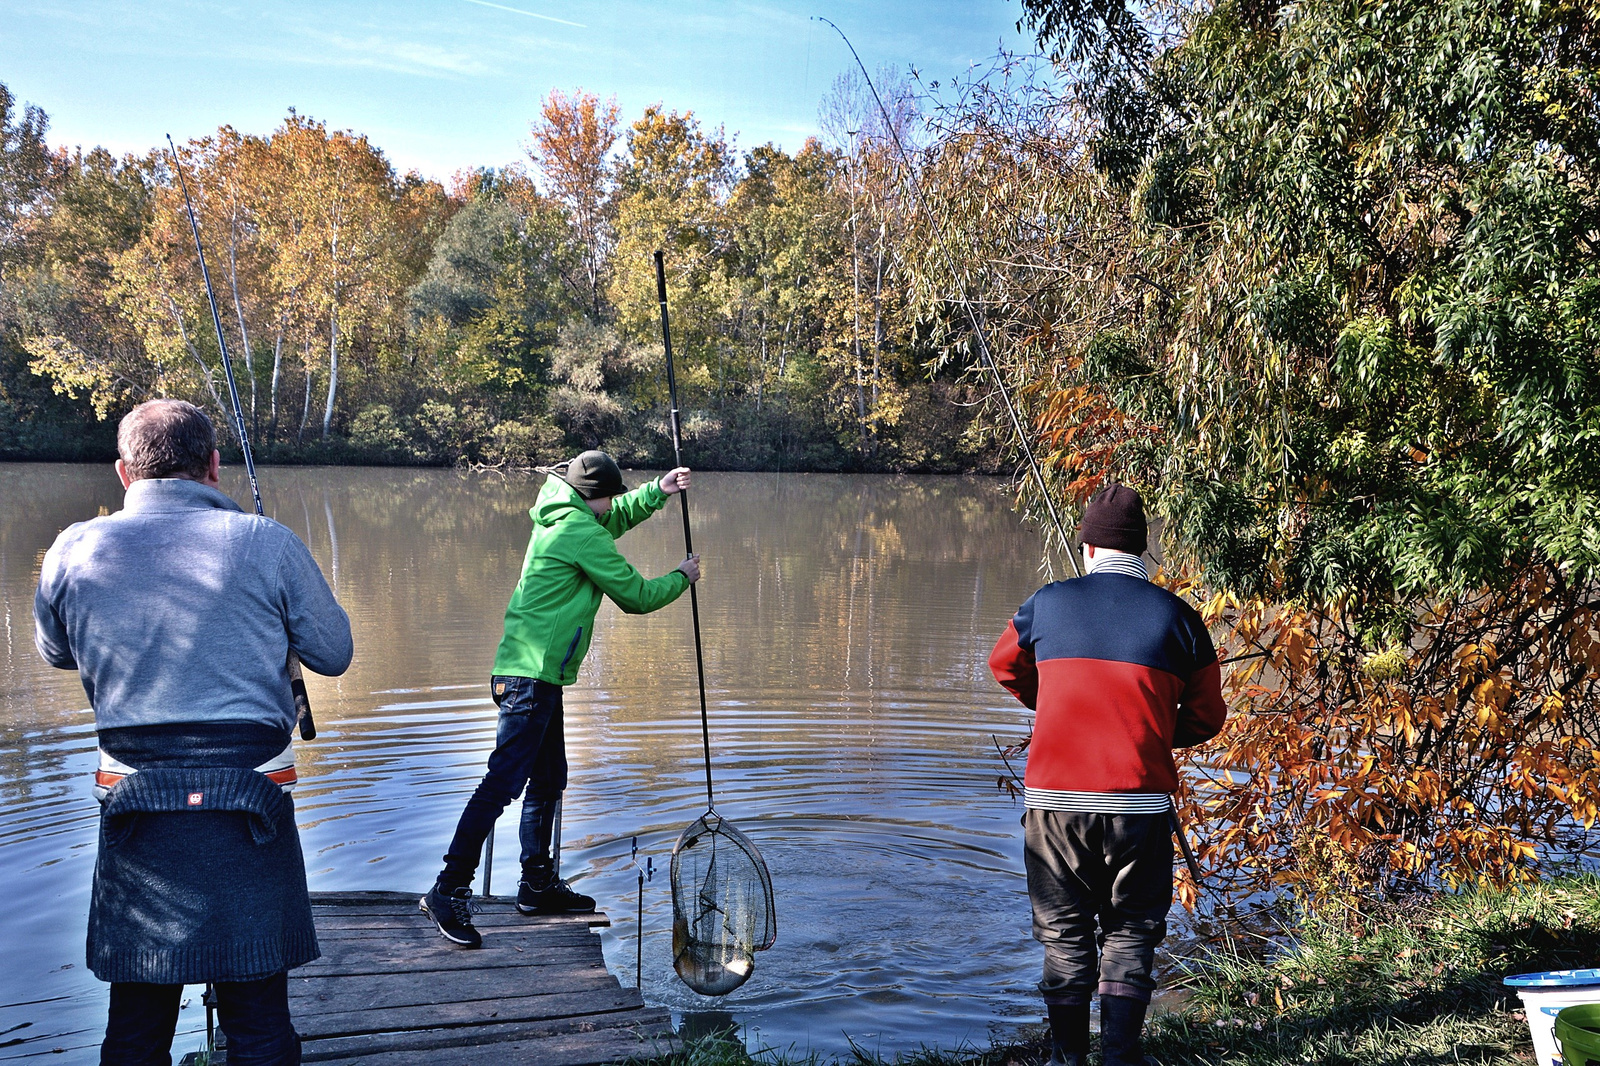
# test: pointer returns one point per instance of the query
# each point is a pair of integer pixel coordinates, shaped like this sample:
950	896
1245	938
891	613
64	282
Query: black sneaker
452	913
554	896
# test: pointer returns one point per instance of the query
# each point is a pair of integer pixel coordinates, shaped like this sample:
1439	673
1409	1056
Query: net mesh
722	910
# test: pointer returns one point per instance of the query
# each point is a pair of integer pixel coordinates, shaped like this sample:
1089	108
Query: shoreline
1417	980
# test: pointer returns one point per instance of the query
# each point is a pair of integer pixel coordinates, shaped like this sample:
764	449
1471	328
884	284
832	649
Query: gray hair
166	438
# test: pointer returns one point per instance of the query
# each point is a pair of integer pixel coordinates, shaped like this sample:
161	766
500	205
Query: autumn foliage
1319	280
1465	757
507	317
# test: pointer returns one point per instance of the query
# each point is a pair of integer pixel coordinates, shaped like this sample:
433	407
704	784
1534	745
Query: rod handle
302	701
1183	842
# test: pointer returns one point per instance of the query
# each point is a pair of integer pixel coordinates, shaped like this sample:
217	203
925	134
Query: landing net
722	907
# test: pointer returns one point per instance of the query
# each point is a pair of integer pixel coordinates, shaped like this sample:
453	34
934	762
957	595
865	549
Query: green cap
593	474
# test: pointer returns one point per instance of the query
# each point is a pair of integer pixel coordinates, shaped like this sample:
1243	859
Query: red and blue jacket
1120	672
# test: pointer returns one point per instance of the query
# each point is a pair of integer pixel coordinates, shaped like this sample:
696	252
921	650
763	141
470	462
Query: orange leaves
1473	659
1468	762
1085	433
1297	649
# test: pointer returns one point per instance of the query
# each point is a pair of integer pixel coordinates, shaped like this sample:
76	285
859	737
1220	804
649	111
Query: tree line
507	318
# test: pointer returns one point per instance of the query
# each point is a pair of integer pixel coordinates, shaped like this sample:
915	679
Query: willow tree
1321	278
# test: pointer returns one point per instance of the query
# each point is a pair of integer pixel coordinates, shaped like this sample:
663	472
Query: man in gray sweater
179	613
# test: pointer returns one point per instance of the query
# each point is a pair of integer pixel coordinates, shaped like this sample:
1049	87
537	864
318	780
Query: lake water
847	623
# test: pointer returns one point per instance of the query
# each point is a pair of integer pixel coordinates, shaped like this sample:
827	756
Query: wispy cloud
405	57
530	14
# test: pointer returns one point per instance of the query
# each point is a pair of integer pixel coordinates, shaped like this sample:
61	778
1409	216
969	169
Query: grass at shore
1415	984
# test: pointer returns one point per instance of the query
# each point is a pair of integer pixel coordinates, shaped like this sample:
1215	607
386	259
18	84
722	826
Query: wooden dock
389	991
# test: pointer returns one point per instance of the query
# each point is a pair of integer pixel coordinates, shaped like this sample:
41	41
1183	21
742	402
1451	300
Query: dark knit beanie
593	474
1115	519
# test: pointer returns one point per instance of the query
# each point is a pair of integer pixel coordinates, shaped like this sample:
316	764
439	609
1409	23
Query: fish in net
722	907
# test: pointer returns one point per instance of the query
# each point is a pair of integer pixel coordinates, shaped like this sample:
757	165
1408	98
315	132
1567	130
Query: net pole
488	865
688	538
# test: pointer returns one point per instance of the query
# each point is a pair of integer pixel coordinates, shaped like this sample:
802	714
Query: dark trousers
1113	871
254	1016
529	750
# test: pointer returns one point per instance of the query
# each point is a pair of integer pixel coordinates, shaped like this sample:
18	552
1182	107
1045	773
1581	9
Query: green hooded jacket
572	559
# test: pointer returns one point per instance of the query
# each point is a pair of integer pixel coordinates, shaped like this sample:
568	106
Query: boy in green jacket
572	560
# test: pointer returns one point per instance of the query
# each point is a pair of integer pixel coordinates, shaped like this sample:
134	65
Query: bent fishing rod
980	335
297	681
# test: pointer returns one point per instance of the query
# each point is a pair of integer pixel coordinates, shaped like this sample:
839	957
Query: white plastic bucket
1543	995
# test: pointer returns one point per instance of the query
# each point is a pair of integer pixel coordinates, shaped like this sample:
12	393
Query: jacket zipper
570	649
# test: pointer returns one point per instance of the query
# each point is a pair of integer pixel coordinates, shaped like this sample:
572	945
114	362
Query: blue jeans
254	1016
529	751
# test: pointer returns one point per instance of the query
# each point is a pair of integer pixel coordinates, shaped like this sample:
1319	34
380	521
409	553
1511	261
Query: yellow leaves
1187	891
1463	766
73	372
1387	665
1472	659
1212	610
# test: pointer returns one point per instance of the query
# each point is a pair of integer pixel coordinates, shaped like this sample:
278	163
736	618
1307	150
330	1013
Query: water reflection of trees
37	703
820	589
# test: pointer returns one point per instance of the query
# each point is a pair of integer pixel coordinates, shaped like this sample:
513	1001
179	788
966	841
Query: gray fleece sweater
183	608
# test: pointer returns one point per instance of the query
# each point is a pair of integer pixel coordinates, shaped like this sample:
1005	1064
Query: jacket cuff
653	494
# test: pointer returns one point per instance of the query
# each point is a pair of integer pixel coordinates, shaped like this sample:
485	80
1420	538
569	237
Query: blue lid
1555	979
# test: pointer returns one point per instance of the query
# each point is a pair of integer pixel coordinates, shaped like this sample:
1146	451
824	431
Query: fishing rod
688	539
978	332
297	681
982	338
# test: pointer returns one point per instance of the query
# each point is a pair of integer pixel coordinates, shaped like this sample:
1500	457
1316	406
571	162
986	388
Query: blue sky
445	84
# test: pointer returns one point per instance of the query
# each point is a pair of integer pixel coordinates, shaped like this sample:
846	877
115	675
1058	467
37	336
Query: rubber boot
1069	1034
1121	1022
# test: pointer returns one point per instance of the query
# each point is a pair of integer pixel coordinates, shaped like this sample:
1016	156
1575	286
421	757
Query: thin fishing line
216	320
988	358
966	305
297	683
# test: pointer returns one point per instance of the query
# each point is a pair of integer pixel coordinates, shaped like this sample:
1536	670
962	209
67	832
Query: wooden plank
635	1026
394	919
574	1049
341	943
336	899
389	991
453	961
436	953
343	994
424	931
387	1018
313	994
491	912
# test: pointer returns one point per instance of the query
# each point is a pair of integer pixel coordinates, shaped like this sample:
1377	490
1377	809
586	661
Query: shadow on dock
389	991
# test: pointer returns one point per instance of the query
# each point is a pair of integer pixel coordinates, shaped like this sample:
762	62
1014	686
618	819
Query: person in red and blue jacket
1119	672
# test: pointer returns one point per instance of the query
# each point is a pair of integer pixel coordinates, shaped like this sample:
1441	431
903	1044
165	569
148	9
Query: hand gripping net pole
722	908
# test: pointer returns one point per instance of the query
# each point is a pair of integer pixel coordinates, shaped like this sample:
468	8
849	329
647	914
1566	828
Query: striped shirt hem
1050	799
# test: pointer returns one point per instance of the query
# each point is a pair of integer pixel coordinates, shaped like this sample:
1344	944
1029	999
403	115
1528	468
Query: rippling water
847	622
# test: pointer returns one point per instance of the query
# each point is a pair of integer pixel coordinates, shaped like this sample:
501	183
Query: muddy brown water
847	621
